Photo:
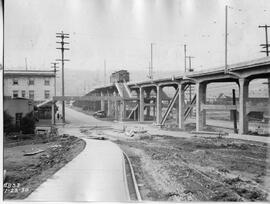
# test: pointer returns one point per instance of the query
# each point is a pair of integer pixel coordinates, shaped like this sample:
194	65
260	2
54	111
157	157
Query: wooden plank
218	107
33	153
209	133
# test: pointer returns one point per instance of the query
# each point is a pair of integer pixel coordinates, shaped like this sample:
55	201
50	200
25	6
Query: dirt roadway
194	168
199	169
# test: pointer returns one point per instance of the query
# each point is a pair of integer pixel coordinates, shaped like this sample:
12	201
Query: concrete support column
116	110
109	105
243	96
141	105
122	110
102	102
268	94
158	105
148	107
181	106
53	114
200	98
109	113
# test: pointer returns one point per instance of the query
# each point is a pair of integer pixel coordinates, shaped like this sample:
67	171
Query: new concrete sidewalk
96	174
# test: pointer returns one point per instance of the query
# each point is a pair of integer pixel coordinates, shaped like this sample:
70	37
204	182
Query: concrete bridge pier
158	104
148	108
102	102
200	99
268	81
141	104
109	105
109	110
243	96
53	113
181	106
122	110
116	110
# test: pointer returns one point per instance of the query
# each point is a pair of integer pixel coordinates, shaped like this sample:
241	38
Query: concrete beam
86	98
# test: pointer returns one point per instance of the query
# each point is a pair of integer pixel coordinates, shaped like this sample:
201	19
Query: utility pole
62	36
105	72
152	60
26	68
266	45
150	76
54	70
190	70
185	57
226	39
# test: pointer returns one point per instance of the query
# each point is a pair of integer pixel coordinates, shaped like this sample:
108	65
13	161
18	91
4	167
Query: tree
8	125
28	124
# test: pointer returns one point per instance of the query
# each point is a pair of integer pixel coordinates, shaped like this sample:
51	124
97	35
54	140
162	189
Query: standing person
58	116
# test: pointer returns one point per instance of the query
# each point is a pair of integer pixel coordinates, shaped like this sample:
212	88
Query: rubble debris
139	132
56	146
204	168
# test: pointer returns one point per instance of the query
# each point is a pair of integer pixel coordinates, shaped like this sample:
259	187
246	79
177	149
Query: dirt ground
199	169
26	173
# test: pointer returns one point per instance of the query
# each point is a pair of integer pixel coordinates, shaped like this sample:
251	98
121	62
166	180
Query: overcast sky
121	31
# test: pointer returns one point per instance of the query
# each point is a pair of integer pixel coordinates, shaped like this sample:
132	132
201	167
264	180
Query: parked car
100	114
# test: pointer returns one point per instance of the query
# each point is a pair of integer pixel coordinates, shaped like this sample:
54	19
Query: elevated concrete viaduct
242	73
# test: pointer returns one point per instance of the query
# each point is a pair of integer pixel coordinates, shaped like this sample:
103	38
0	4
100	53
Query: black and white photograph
135	100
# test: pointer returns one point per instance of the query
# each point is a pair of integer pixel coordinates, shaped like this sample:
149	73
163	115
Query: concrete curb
138	195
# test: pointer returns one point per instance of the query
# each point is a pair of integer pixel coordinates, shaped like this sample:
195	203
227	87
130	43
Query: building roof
120	71
31	73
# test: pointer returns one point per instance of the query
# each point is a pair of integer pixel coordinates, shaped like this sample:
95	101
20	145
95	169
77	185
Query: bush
28	124
8	126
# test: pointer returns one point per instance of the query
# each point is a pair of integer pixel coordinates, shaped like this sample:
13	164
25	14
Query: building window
15	94
31	95
47	94
23	94
47	82
31	82
15	82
